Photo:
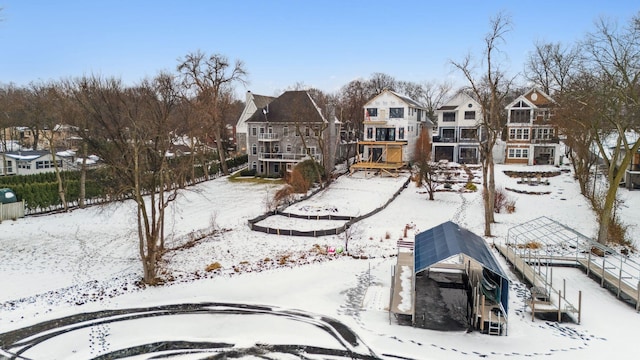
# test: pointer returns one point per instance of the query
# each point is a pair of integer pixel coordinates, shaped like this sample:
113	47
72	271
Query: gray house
288	130
252	103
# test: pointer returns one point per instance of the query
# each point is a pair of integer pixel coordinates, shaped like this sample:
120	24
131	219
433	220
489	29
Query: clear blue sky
322	43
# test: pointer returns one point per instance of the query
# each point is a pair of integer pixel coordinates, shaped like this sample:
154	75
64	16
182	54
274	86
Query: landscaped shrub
503	202
298	182
309	170
471	186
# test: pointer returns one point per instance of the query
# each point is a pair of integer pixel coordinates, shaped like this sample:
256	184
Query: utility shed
458	282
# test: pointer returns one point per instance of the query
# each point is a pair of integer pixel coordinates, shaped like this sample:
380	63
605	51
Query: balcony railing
553	140
263	156
268	137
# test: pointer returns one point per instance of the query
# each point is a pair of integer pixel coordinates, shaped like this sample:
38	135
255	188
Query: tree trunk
59	180
83	178
222	156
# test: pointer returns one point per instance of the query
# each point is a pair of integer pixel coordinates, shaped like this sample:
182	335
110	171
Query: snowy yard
86	260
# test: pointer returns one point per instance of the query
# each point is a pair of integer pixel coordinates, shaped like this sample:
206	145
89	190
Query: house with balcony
392	125
252	103
289	129
532	138
459	132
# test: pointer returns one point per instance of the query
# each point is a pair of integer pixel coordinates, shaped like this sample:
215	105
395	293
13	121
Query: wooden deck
384	167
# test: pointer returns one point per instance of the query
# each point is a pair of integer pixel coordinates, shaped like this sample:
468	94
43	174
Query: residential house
253	102
632	173
29	162
288	130
459	132
531	136
392	125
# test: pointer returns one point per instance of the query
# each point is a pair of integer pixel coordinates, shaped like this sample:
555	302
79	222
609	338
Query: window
288	148
448	135
47	164
385	134
518	153
9	166
369	133
254	131
520	116
261	130
401	133
519	134
544	134
396	113
276	148
285	131
372	112
276	168
254	165
21	164
469	115
468	133
254	149
449	116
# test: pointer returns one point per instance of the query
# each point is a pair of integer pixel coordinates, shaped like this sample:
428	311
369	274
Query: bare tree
427	171
613	57
434	95
209	78
490	89
551	65
380	82
129	128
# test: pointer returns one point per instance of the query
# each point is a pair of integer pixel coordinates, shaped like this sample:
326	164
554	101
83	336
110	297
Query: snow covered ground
86	261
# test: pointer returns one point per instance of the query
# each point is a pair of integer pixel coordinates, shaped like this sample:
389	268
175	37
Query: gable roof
290	107
448	239
543	102
404	98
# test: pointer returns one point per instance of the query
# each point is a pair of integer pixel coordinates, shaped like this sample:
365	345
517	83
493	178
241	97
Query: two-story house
288	130
459	131
392	125
532	138
252	103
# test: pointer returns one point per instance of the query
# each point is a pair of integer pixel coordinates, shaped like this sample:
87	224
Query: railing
264	156
553	140
269	136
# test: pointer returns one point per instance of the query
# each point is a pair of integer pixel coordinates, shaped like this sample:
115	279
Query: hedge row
40	191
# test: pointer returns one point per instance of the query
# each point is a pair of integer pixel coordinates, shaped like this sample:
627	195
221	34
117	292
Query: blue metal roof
448	239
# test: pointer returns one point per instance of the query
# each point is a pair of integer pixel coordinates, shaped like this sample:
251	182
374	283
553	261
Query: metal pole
579	306
559	306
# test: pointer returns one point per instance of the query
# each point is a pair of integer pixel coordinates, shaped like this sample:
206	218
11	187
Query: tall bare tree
551	65
129	128
434	95
490	88
209	78
613	57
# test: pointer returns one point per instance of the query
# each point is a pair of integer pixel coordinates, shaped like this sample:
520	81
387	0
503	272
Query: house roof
27	155
290	107
448	107
262	100
408	100
448	239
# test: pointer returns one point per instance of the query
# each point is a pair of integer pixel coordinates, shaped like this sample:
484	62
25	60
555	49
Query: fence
315	233
11	211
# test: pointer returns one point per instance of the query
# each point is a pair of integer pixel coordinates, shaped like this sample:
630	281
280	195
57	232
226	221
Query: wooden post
589	262
564	287
579	306
559	306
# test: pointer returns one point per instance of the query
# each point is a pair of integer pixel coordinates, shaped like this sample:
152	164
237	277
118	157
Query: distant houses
459	132
532	138
392	125
286	131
